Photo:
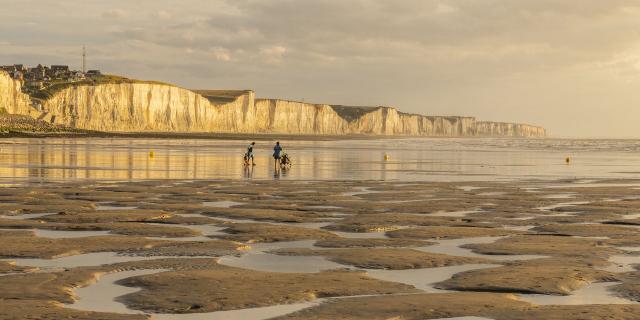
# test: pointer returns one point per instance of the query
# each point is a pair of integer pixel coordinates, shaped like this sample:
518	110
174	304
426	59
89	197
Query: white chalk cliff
153	107
11	97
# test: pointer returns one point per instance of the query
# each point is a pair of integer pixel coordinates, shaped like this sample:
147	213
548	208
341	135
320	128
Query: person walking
277	149
249	155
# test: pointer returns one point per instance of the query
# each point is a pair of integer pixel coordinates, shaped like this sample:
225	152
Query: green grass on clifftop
56	87
221	96
352	113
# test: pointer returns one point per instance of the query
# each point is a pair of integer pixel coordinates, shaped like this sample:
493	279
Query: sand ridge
189	229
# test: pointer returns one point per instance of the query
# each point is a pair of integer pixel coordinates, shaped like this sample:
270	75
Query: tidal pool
453	247
26	216
424	279
80	260
102	295
221	204
594	293
257	259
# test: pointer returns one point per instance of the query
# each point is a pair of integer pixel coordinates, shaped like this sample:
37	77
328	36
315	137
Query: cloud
495	59
163	14
114	14
443	8
221	54
273	54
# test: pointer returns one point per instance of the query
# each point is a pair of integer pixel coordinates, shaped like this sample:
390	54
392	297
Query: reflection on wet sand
414	160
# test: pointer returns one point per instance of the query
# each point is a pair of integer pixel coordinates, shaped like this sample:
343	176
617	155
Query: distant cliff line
156	107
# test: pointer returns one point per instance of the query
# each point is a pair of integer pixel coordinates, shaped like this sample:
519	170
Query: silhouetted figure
277	149
249	155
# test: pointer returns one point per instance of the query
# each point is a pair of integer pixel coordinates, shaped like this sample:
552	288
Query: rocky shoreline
14	124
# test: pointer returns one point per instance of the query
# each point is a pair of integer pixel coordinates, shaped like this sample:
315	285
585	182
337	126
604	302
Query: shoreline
227	136
194	135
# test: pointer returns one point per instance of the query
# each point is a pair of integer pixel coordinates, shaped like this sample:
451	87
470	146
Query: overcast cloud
572	66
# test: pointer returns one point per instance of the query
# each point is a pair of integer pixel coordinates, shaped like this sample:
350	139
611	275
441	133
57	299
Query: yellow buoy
567	160
151	154
386	157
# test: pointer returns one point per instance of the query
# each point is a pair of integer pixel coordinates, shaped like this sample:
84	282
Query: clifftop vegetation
57	86
350	113
221	96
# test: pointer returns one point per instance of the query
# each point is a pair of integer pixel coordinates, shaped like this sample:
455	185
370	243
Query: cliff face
11	97
137	107
486	128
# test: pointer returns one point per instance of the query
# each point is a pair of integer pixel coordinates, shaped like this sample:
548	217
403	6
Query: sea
394	159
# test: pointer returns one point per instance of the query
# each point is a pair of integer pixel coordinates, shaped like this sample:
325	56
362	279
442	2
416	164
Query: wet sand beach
509	247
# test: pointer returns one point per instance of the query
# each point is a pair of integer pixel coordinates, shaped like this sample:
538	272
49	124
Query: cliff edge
132	106
12	100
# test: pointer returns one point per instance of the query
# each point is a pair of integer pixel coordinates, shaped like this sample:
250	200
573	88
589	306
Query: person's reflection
285	171
276	173
248	172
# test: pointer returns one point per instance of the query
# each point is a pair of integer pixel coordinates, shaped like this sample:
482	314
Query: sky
571	66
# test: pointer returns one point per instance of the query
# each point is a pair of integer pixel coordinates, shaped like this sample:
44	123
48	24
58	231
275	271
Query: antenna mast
84	60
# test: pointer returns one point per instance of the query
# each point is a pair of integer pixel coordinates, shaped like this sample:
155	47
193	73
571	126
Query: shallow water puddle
622	263
361	235
519	228
453	248
81	260
205	229
26	216
524	218
221	204
424	279
492	194
262	313
592	237
561	205
455	214
266	246
275	263
310	225
469	188
464	318
594	293
257	259
101	295
101	207
60	234
565	214
361	191
560	196
323	207
409	201
594	184
10	274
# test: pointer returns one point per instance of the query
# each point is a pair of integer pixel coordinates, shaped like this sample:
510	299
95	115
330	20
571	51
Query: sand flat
321	249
